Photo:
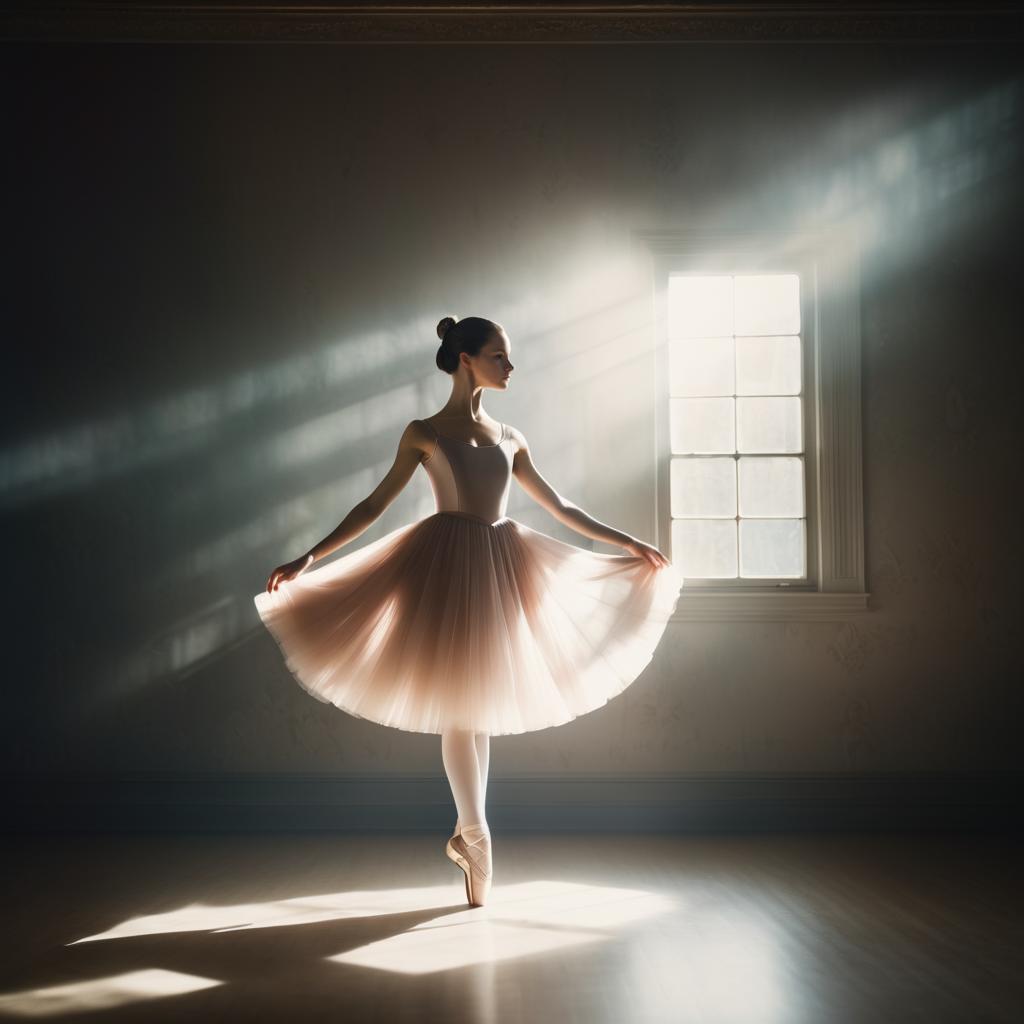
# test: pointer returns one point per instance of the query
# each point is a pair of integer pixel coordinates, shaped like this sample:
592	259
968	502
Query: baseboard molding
693	802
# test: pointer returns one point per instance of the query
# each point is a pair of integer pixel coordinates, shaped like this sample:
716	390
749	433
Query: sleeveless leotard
470	480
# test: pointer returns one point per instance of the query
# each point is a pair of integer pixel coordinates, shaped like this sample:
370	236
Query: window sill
775	607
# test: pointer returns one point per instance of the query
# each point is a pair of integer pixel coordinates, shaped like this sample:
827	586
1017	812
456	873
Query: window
737	493
757	384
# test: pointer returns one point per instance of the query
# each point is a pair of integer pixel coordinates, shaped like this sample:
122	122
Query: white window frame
829	268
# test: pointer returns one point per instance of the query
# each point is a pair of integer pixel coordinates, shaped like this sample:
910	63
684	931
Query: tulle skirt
451	622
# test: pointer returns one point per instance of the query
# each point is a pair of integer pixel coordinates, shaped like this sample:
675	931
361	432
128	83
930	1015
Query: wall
228	265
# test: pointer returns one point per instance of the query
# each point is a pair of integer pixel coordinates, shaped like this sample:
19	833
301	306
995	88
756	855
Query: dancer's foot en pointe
470	848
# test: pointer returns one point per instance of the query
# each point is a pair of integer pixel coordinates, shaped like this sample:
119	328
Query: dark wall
225	264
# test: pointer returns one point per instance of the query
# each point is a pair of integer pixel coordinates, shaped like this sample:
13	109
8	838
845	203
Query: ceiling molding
232	21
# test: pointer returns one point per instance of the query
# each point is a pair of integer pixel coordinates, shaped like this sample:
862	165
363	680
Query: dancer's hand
288	571
648	551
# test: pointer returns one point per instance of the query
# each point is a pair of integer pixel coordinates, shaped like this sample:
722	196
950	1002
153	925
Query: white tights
466	756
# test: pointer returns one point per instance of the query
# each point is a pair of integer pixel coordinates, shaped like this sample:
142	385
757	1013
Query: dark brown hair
468	335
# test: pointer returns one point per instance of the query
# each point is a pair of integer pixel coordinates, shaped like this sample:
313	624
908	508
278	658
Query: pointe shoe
473	855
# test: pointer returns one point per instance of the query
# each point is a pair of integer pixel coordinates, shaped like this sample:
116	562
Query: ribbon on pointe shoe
477	841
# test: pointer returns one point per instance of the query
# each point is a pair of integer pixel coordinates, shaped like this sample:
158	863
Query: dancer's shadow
270	968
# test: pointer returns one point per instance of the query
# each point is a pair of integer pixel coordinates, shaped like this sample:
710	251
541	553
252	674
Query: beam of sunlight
263	458
881	202
102	993
878	198
188	422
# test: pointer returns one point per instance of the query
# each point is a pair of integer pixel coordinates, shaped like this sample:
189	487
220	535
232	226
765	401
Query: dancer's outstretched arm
415	443
568	512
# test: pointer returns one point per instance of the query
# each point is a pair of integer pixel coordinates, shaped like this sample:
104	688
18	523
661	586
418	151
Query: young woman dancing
467	623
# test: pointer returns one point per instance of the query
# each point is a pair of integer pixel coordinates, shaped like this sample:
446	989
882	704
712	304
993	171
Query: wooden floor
579	929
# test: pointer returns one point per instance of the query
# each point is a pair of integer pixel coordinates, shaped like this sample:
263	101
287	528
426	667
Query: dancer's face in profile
492	366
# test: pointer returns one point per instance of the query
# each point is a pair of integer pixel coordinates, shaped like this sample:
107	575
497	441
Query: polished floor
579	929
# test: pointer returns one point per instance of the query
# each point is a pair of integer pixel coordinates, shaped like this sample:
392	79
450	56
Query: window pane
702	425
700	307
767	424
772	547
702	367
767	304
768	366
771	486
703	487
704	548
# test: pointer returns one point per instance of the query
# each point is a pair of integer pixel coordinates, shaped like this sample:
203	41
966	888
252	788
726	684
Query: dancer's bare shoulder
420	436
518	440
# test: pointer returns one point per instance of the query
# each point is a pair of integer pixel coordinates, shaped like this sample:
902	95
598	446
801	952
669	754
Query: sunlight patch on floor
102	993
518	920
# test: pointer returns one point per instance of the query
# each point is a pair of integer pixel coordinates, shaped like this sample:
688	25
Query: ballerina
468	623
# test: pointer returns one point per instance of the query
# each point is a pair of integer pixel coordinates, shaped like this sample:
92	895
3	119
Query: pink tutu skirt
451	622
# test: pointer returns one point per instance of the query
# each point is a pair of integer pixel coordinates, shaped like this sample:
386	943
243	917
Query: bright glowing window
758	469
737	475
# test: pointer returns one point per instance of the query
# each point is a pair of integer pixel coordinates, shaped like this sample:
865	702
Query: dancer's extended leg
483	760
459	754
471	847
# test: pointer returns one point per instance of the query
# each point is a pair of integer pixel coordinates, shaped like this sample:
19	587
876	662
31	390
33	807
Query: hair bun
444	325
